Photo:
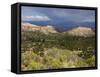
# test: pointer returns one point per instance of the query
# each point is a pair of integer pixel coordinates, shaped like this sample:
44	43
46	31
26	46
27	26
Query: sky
56	14
61	19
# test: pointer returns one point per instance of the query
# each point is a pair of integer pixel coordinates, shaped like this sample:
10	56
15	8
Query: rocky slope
45	29
81	31
78	31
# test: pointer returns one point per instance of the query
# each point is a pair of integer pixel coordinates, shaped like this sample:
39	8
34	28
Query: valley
43	47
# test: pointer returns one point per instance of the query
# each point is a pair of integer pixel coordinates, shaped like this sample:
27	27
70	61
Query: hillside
42	47
81	31
77	31
45	29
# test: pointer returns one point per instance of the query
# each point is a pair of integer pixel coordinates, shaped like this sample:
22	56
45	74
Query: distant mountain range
75	31
62	26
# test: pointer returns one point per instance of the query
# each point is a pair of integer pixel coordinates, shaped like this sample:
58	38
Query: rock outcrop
45	29
81	31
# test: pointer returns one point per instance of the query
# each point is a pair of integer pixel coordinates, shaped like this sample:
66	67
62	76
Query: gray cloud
74	15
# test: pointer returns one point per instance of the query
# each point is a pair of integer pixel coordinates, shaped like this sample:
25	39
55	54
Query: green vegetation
59	50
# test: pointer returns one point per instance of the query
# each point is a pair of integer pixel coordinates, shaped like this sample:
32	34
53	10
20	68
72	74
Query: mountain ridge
45	29
81	31
77	31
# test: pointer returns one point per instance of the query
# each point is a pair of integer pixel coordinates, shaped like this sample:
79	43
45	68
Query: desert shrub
87	53
51	62
58	40
81	63
29	57
56	63
59	53
35	65
91	61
